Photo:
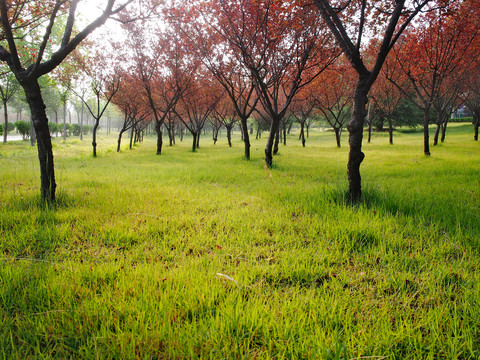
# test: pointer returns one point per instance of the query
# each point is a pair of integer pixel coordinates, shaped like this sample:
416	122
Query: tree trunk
44	141
94	137
158	129
290	127
271	139
426	135
198	138
229	136
5	114
369	132
277	141
246	138
302	133
444	130
337	135
194	143
33	138
284	133
355	129
120	139
132	132
476	123
390	130
437	133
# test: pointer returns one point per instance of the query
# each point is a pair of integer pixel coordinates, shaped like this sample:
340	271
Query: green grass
206	255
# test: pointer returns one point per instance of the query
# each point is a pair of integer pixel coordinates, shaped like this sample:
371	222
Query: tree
334	96
135	111
9	86
470	94
104	79
303	108
163	67
197	104
386	96
435	44
211	46
350	22
226	115
280	45
25	19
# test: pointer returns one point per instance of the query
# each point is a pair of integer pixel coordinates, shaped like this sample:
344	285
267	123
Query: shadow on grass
33	202
424	209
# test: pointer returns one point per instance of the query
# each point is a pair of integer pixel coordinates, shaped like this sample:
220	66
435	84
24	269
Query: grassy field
206	255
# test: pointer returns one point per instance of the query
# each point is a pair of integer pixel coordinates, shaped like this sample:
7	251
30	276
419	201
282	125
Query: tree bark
355	129
337	136
426	135
277	141
270	142
194	143
476	123
94	137
158	129
302	133
246	138
437	133
369	132
390	130
44	141
132	132
229	136
119	141
444	130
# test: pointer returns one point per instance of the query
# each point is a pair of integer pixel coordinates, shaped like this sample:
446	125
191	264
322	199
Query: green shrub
1	129
23	128
54	127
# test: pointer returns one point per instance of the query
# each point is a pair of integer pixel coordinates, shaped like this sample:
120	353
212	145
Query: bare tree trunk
337	135
271	138
444	130
94	137
302	133
369	132
355	129
44	141
437	133
158	129
229	136
390	130
476	123
131	137
277	141
119	141
426	135
194	143
246	138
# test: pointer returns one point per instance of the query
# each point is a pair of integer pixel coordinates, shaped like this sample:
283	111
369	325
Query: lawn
207	255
